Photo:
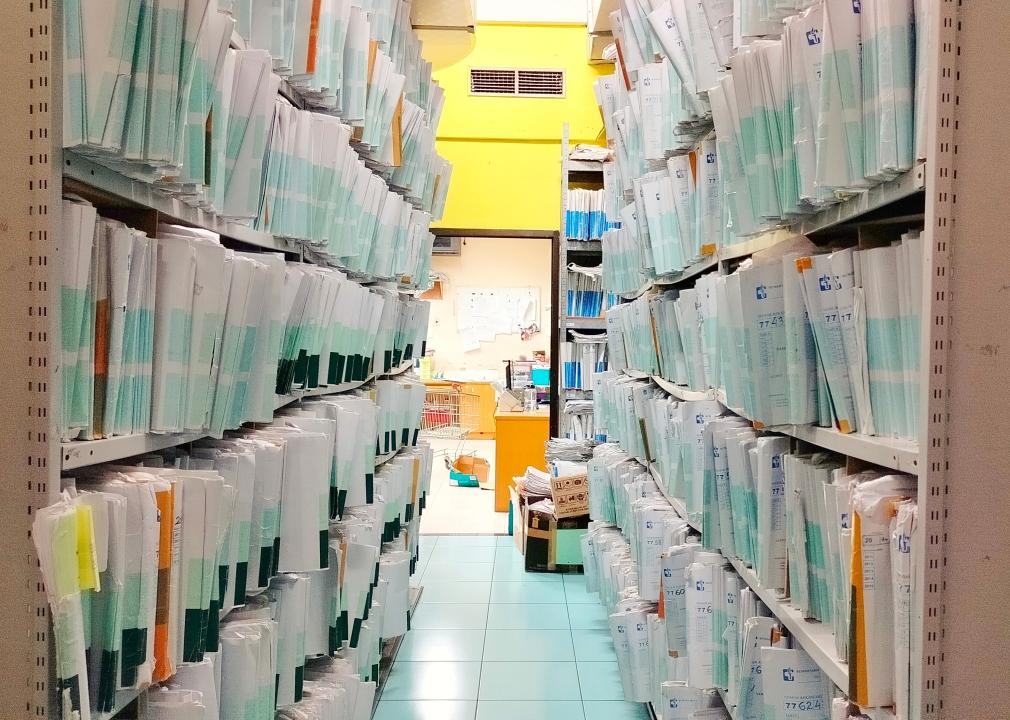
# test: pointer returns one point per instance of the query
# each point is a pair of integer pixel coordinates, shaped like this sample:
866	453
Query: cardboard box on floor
554	545
476	467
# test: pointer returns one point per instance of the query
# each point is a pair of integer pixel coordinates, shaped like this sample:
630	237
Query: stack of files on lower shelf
731	119
582	359
179	334
142	106
577	421
840	546
585	293
213	573
804	337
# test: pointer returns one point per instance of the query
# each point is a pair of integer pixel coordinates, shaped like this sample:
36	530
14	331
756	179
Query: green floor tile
445	616
456	592
587	617
529	710
593	645
600	681
456	572
433	681
527	617
451	554
520	591
425	710
510	570
576	593
525	645
467	541
613	710
426	645
529	681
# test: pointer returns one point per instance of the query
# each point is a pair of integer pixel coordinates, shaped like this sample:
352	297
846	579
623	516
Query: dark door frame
555	237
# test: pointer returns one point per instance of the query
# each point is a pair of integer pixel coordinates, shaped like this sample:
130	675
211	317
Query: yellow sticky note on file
87	560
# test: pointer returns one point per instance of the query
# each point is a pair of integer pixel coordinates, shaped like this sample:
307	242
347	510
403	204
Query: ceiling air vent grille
516	82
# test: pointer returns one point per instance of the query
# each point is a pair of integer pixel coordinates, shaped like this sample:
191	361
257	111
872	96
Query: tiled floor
491	642
455	510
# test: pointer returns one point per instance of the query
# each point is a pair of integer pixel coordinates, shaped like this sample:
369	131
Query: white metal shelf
893	453
636	374
571	322
123	698
593	166
81	453
676	503
400	369
98	177
584	246
905	185
901	455
682	393
817	639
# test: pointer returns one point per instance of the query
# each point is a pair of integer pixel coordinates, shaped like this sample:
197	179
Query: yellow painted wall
506	151
488	263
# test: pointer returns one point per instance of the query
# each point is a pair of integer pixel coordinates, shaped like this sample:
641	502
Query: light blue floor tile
576	593
527	617
509	570
424	645
445	616
529	681
425	710
433	681
587	617
509	556
593	645
529	710
506	541
600	681
451	554
523	645
456	572
518	591
467	541
615	710
456	592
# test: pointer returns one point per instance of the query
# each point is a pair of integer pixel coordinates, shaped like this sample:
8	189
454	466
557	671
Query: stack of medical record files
237	559
581	359
829	338
754	115
585	292
168	101
568	449
577	421
177	333
839	545
317	189
584	216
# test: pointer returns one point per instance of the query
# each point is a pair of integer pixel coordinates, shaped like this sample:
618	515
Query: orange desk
520	441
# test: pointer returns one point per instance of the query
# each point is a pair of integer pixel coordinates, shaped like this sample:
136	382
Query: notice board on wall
483	313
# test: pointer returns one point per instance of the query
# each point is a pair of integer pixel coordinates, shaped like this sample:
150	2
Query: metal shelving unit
583	253
36	174
81	453
956	658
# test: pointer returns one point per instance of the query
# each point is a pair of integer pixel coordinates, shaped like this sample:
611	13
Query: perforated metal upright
964	492
29	342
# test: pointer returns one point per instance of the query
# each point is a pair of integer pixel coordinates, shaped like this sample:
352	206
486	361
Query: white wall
489	262
532	11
